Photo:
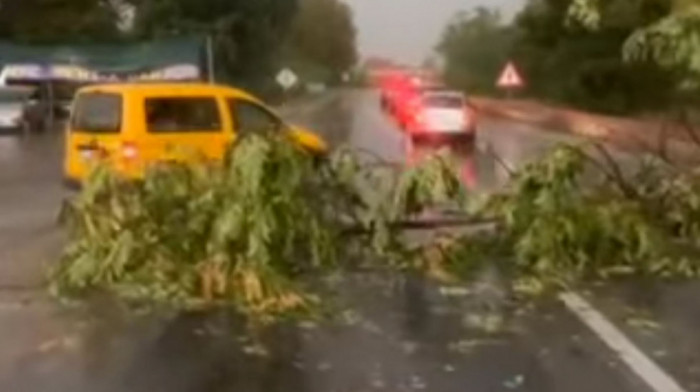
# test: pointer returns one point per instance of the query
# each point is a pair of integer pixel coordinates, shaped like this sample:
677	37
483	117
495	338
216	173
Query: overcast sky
407	30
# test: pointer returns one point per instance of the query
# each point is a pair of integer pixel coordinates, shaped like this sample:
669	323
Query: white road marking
628	353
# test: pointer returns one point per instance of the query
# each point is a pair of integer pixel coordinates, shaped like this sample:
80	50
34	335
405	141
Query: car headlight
11	120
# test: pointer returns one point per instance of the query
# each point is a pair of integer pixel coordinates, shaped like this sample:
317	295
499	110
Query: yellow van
134	125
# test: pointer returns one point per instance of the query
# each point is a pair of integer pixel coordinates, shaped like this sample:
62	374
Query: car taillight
415	105
467	119
130	151
469	116
421	119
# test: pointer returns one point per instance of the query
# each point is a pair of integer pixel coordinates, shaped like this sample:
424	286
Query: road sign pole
285	96
52	106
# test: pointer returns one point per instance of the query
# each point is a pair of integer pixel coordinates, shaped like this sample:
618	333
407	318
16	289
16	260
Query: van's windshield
97	113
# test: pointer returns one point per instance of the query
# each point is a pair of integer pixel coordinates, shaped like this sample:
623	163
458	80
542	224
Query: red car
394	88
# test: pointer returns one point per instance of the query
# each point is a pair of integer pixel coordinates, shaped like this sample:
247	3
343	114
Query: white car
441	113
14	101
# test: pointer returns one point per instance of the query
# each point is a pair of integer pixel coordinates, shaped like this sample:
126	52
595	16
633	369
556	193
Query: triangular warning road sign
510	77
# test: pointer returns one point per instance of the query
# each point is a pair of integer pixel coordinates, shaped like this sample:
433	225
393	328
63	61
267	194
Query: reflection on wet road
30	200
394	335
404	336
501	146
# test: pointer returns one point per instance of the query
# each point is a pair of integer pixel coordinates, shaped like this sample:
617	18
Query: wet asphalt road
403	336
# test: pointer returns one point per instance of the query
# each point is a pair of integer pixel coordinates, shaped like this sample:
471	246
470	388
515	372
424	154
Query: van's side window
97	113
249	117
182	114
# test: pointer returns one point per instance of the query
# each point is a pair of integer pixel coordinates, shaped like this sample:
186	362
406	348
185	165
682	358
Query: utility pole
210	58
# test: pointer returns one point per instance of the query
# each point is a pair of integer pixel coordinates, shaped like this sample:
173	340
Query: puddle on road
485	164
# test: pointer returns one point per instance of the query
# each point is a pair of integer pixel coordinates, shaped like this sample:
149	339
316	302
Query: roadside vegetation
609	56
254	232
252	40
322	43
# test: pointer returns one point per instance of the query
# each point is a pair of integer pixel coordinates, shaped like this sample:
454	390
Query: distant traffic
424	108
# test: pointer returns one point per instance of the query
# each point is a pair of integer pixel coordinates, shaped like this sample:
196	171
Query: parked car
132	126
14	108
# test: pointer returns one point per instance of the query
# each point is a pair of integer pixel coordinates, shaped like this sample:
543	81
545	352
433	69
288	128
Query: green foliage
252	39
673	43
196	235
250	232
670	38
253	232
49	21
571	52
475	47
433	183
562	231
322	40
247	34
585	13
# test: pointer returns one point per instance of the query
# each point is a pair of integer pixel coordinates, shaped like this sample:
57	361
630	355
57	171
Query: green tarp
132	57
